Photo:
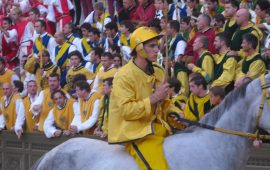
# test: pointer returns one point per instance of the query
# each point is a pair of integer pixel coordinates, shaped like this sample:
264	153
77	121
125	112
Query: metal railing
21	154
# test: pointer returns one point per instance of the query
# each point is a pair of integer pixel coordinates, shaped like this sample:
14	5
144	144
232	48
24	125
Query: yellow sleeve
89	75
183	78
207	69
239	74
256	69
229	70
125	94
100	111
241	53
30	65
187	112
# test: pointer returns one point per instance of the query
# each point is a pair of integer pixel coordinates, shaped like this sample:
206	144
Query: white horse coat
192	149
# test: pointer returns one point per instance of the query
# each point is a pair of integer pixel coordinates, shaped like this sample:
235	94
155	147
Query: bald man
62	50
245	26
12	116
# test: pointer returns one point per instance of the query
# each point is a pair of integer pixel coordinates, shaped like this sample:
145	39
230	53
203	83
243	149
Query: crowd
60	58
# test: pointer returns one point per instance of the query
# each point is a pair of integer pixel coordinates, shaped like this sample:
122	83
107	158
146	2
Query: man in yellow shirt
252	65
139	103
225	64
12	111
206	64
198	103
107	70
76	63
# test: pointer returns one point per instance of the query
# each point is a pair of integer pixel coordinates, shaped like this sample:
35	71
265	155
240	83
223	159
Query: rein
256	135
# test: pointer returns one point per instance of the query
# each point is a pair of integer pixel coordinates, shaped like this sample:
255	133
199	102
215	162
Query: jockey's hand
57	133
161	93
73	129
19	133
66	133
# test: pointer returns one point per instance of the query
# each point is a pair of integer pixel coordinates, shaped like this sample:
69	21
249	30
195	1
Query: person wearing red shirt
203	25
145	12
9	44
129	10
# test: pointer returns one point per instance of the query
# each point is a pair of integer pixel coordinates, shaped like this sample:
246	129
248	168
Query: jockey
139	103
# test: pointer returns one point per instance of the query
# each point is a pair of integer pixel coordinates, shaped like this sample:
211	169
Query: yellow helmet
139	36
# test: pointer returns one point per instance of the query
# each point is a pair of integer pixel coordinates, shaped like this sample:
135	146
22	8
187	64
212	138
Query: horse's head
264	120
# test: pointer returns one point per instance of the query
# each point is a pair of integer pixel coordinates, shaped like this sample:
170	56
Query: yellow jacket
196	107
255	69
229	70
131	115
42	80
205	66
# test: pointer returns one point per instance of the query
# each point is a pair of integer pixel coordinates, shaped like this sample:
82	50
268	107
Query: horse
194	148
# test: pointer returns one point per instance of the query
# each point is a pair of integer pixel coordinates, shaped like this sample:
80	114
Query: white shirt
89	123
180	49
28	33
13	36
55	3
90	19
96	81
77	42
19	112
71	49
49	128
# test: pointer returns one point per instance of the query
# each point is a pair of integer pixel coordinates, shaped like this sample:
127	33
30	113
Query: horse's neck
237	117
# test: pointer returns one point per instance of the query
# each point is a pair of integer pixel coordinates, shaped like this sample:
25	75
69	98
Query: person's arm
180	50
131	109
95	85
77	116
2	119
51	46
256	69
92	119
78	44
20	112
89	19
207	69
49	129
183	78
36	106
72	48
30	64
229	71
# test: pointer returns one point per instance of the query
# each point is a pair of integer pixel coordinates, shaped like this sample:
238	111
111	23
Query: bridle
256	135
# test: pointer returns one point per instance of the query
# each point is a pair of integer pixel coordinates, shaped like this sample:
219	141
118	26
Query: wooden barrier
22	154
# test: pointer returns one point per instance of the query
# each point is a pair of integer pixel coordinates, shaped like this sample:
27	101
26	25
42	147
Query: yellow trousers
148	152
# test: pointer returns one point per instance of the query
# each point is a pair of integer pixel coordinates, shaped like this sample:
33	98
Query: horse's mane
212	117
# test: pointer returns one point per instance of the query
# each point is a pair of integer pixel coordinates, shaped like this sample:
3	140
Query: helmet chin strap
149	68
